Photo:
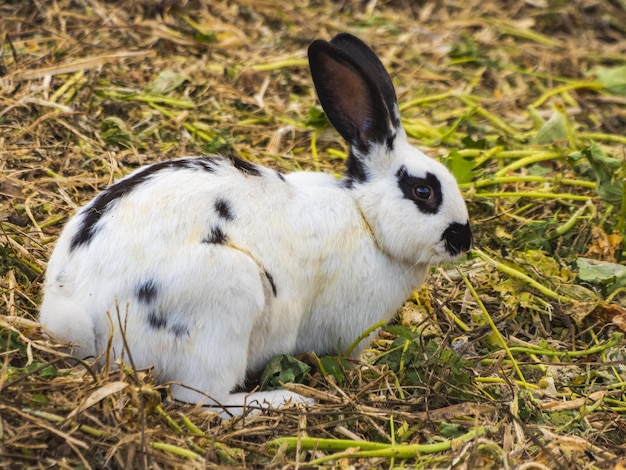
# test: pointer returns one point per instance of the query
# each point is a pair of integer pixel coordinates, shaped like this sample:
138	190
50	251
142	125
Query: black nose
458	238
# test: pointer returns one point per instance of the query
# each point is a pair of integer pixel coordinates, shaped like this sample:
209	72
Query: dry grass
513	361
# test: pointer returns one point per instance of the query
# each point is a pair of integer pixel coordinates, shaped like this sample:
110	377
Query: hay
513	360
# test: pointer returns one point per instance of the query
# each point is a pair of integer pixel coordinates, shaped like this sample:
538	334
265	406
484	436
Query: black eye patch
424	192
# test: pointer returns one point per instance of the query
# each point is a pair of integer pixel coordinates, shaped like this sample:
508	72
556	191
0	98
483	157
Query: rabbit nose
458	238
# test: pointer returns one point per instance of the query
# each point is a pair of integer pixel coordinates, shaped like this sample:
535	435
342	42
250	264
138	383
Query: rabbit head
411	202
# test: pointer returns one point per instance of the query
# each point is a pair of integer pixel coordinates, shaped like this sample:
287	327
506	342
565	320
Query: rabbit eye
422	191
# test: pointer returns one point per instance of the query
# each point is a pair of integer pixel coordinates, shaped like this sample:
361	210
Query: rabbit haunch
206	267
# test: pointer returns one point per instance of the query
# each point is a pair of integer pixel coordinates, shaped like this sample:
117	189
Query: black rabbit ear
369	61
350	94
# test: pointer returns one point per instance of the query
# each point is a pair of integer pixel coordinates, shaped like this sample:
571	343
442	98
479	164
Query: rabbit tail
64	320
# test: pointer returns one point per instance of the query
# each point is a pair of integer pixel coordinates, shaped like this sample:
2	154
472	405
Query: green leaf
602	273
460	167
417	363
539	170
606	169
208	38
553	130
470	143
38	400
49	372
114	131
464	48
560	418
451	430
401	331
335	366
613	79
167	81
316	117
283	369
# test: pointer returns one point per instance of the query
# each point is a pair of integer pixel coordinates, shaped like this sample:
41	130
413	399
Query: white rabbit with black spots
207	267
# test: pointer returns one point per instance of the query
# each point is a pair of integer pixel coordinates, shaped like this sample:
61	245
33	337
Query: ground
514	357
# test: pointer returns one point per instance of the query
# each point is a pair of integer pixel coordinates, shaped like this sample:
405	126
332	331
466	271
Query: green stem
314	154
536	195
426	99
364	335
500	380
563	88
370	449
571	222
280	64
149	98
173	424
54	418
52	221
526	153
571	136
496	121
488	155
528	160
524	33
620	139
621	221
524	278
492	181
613	341
494	328
172	449
193	429
460	323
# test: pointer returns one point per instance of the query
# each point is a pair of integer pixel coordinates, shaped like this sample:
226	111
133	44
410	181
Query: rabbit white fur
209	266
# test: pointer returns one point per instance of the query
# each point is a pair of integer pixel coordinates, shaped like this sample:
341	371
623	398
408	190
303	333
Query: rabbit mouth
457	239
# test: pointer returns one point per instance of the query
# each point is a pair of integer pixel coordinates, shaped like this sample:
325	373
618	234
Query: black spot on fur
147	291
390	142
243	166
270	278
201	163
179	329
216	236
93	212
61	278
355	171
223	209
414	189
280	176
458	238
157	320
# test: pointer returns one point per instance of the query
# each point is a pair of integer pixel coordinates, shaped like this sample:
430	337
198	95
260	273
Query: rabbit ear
355	91
369	61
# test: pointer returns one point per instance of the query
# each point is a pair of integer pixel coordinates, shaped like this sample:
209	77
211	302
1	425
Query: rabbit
206	267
